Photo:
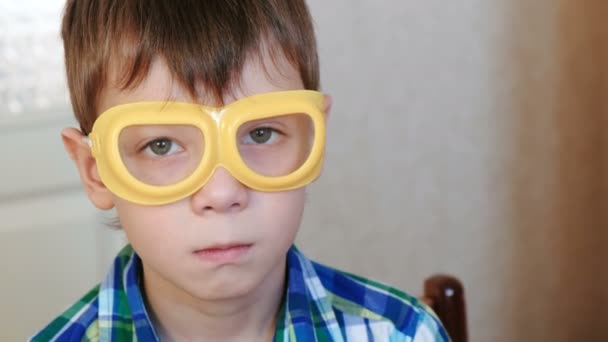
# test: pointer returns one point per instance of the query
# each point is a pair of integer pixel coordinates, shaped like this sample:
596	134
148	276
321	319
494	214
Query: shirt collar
121	303
307	311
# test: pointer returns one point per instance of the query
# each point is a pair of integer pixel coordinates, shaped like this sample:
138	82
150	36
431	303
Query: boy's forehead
157	84
264	73
261	73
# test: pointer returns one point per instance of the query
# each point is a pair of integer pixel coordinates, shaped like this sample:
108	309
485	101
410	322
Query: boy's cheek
270	208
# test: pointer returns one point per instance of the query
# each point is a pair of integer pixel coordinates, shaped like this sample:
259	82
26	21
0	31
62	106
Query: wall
465	138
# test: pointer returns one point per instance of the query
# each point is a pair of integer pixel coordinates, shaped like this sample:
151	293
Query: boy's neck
178	316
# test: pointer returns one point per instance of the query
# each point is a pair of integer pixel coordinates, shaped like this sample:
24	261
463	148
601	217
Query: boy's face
225	240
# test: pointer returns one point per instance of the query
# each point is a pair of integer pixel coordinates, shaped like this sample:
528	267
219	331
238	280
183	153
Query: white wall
465	139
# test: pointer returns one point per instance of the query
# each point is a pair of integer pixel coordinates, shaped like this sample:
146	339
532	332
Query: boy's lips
224	253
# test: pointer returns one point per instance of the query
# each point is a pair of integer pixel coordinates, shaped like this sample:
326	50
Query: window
32	76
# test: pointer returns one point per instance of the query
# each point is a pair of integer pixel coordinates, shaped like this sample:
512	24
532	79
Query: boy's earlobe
327	105
80	153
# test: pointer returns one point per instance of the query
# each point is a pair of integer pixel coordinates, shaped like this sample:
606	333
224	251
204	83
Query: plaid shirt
321	304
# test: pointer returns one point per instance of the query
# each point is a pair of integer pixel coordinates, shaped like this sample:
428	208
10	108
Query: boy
201	124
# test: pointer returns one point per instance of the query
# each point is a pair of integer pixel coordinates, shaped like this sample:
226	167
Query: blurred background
465	138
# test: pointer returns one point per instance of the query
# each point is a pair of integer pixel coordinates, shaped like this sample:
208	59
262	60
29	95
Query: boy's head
223	239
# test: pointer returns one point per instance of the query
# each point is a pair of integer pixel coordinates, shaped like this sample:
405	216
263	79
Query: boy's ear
326	109
80	152
327	106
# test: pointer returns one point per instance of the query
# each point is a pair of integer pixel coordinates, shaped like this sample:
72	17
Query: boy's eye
162	147
261	135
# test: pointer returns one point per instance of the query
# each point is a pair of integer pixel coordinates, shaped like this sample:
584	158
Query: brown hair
203	42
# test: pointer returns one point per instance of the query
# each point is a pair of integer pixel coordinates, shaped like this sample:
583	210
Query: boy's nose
223	193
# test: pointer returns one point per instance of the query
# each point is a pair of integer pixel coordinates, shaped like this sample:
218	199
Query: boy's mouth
224	253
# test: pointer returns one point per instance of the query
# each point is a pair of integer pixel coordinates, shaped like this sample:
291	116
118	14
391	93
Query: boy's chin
226	290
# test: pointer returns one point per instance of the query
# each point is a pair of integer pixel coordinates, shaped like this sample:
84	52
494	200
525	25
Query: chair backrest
445	295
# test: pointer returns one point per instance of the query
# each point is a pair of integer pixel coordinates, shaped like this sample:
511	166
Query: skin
188	297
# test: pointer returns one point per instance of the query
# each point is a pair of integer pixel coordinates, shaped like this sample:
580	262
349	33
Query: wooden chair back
445	295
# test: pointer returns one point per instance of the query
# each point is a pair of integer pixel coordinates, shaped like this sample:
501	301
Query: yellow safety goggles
154	153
